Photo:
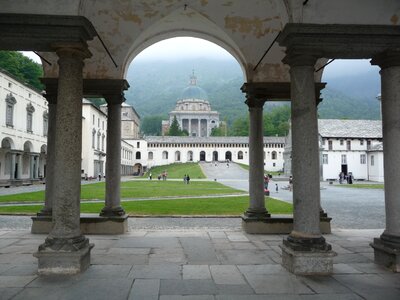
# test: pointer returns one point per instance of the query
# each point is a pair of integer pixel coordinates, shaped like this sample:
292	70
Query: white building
161	150
23	135
193	112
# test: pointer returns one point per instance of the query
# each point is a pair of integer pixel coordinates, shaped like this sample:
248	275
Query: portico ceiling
244	28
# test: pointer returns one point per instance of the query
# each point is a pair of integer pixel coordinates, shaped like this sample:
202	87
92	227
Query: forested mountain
156	86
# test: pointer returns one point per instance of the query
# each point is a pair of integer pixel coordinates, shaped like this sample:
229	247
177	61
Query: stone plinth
88	224
277	225
63	263
307	262
386	255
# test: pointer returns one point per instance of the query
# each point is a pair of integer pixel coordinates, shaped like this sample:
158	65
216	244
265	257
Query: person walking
150	176
187	179
290	183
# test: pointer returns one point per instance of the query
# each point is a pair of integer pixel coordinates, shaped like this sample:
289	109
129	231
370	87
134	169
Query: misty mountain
157	85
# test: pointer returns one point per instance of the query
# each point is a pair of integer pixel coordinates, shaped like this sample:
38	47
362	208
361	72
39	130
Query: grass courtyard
377	186
177	171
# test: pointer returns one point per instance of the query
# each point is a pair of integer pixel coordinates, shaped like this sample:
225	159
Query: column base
307	262
387	252
63	256
90	224
112	212
277	225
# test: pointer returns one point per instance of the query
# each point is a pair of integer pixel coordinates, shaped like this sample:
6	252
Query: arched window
150	155
10	102
177	156
273	155
93	138
240	155
45	123
138	155
165	155
29	117
190	156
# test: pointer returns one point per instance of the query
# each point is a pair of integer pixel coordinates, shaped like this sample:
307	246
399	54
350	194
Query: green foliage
221	130
22	68
97	101
178	170
175	129
198	206
240	127
151	125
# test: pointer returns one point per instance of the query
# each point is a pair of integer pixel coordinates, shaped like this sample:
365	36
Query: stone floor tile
107	271
18	258
350	258
176	258
43	293
5	267
339	249
156	272
4	242
148	242
331	297
217	235
237	237
225	274
187	287
187	297
103	244
277	284
129	250
19	249
177	234
199	251
261	245
196	272
243	245
22	270
344	269
262	269
324	285
371	268
145	289
54	281
135	233
391	279
119	259
243	257
15	281
258	297
8	293
369	286
234	289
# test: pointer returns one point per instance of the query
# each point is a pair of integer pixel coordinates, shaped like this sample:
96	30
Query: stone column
112	206
50	171
37	166
19	168
12	167
66	250
256	208
387	247
305	250
198	128
31	166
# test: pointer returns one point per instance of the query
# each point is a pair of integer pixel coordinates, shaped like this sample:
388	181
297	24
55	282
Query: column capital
115	99
386	59
253	102
296	58
77	50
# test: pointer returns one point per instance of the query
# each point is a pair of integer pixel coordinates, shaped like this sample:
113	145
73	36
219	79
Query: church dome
193	91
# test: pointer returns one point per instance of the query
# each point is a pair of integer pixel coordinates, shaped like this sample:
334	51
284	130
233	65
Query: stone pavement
195	265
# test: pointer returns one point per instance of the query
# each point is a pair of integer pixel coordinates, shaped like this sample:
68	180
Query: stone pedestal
277	225
63	262
89	224
387	252
307	262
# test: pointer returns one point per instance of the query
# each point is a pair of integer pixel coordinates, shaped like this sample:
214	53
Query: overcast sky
187	47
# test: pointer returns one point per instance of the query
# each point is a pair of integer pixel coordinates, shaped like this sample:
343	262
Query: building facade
24	124
193	112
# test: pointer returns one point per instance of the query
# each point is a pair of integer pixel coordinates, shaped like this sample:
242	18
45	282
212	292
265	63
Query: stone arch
165	155
28	147
228	155
138	155
274	155
196	25
7	143
202	156
177	156
190	156
215	155
240	155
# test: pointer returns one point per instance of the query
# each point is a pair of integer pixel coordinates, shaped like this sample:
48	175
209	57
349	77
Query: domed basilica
193	112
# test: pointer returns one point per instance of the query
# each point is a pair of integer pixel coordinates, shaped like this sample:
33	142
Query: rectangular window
93	139
323	142
362	159
325	159
9	115
29	122
344	159
93	119
45	126
102	125
372	160
361	142
341	142
138	144
368	144
348	145
330	147
98	122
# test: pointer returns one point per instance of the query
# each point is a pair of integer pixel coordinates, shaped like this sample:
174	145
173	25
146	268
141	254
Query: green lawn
210	206
273	173
139	189
178	170
361	186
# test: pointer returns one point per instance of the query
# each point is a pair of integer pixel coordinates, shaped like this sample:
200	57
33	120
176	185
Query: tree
174	129
22	68
220	130
151	125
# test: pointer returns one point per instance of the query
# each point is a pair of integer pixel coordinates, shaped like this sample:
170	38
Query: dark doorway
202	156
228	155
344	169
215	156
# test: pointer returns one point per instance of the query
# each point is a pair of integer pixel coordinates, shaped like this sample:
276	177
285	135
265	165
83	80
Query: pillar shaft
19	167
49	193
12	167
256	160
305	153
67	150
113	162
